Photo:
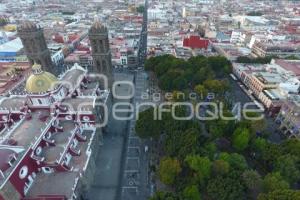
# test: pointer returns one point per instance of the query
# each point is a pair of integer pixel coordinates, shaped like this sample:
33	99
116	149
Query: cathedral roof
40	81
5	155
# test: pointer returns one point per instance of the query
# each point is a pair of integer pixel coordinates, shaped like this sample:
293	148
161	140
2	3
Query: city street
109	161
135	183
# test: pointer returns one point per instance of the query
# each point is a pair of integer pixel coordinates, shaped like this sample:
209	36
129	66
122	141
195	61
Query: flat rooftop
53	184
30	129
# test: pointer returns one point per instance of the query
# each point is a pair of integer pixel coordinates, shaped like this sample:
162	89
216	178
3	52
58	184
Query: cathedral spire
98	35
35	46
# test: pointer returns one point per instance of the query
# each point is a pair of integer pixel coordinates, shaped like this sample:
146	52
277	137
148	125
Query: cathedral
49	127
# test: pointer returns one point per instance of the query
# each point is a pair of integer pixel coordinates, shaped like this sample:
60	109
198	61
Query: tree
201	91
241	137
204	73
284	194
244	59
259	144
256	125
3	21
140	9
146	125
221	167
180	83
274	181
169	168
198	62
292	57
201	165
215	131
162	195
219	128
255	13
181	143
287	166
236	161
253	182
210	150
215	86
219	64
291	146
270	153
226	187
191	193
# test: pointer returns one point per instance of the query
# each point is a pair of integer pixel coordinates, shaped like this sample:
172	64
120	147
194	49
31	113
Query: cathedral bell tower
35	46
98	35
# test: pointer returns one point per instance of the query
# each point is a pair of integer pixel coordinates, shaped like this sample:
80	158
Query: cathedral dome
40	81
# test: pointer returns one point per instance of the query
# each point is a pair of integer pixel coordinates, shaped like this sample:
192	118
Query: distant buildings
280	49
272	84
12	74
195	42
289	118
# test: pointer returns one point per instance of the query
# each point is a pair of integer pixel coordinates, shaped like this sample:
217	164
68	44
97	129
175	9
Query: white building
57	58
238	37
156	13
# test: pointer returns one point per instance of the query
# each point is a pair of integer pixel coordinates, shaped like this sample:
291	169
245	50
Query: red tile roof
293	66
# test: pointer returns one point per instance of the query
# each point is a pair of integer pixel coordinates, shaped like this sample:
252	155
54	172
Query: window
23	172
98	64
38	151
40	101
101	46
47	170
104	66
74	143
12	159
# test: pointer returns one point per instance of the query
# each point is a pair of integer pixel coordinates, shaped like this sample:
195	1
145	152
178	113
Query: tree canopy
241	138
177	74
169	168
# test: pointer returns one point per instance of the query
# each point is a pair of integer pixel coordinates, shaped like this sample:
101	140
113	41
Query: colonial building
49	136
289	119
98	35
33	40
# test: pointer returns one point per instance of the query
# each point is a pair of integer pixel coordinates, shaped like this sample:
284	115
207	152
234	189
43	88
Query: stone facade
35	46
98	35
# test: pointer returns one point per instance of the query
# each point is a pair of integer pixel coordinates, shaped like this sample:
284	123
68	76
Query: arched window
101	46
98	64
104	66
95	48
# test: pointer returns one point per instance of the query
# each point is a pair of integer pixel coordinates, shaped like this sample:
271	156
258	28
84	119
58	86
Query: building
12	74
49	136
10	50
82	57
272	83
35	45
195	42
280	49
289	119
98	35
